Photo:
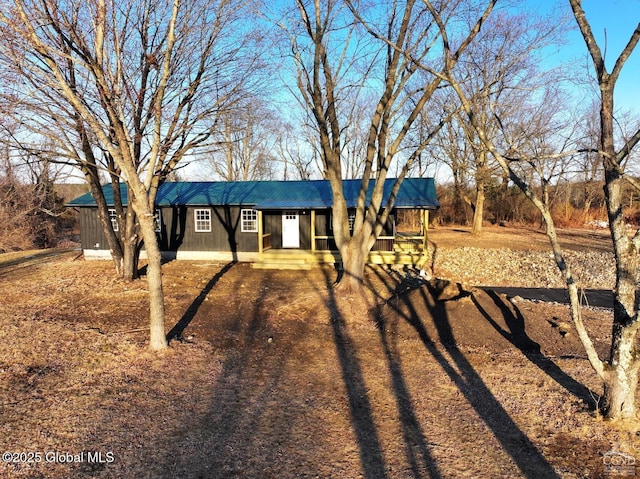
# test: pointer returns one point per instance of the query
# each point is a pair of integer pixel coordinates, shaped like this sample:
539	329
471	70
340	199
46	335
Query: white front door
290	230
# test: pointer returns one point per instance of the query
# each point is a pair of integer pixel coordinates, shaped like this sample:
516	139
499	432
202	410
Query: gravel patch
527	269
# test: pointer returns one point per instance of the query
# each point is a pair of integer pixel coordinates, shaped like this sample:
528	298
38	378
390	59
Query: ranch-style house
268	223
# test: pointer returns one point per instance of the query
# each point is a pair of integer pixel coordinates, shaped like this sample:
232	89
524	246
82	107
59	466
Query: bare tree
30	209
244	143
138	84
498	73
354	152
588	171
337	58
450	148
620	372
296	153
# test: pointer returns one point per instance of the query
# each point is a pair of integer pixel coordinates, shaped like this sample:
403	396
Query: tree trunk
586	209
131	250
157	335
481	178
354	259
621	380
478	210
130	260
460	210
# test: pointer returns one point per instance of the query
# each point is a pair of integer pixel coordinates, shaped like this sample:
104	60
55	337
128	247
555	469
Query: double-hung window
202	219
352	220
249	221
113	217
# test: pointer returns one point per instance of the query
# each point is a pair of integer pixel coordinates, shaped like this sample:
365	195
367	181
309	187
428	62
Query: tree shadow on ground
517	335
417	450
225	441
419	458
452	360
370	448
177	331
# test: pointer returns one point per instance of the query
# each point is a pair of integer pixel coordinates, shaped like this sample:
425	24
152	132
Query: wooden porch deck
404	251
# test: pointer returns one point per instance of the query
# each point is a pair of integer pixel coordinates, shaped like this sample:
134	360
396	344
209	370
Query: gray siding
178	230
305	229
91	235
225	235
322	224
324	227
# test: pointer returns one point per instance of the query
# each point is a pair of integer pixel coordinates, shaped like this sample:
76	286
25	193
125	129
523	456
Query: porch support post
260	233
313	231
425	227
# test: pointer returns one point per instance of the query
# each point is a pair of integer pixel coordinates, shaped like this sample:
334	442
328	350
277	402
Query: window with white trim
249	221
157	221
352	220
202	218
113	217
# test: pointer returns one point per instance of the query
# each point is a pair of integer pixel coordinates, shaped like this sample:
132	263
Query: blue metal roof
414	193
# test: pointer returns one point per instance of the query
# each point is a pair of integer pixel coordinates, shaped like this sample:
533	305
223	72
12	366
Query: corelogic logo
618	463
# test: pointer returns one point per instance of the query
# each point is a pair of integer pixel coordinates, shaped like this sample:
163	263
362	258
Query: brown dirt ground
521	238
277	375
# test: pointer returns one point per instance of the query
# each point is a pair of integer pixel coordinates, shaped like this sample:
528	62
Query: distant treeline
573	204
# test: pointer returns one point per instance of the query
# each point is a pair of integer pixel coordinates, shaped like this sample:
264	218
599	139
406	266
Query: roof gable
315	194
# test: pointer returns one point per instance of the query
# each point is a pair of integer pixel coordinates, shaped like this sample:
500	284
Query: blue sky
618	18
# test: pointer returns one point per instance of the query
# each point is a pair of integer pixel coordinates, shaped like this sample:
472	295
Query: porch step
282	265
285	259
304	260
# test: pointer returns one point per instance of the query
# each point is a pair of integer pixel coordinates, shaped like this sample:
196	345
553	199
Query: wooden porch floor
305	259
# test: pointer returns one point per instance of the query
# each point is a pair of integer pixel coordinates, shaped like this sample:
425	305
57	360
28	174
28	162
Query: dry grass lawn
277	376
